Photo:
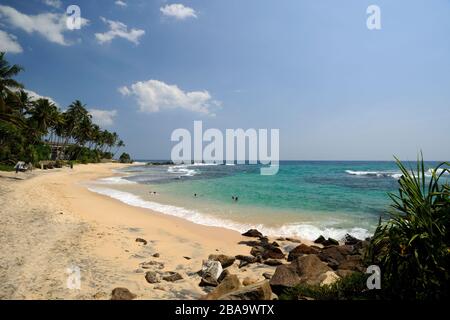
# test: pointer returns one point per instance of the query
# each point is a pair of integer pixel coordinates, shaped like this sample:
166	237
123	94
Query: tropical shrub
412	248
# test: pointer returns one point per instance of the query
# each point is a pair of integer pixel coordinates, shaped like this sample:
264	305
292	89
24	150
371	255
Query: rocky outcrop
307	269
122	294
257	291
224	260
301	250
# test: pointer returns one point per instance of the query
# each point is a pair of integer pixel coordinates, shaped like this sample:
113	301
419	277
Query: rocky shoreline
293	263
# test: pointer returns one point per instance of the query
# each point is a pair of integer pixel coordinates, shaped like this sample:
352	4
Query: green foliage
351	287
25	124
125	158
4	167
412	248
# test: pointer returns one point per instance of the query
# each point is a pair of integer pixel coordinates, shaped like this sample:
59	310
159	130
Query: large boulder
224	260
307	269
253	233
301	250
257	291
122	294
229	283
353	263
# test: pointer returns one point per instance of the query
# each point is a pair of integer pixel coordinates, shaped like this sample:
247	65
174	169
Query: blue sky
312	69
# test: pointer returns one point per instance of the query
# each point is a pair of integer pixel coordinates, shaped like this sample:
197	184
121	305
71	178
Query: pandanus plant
413	246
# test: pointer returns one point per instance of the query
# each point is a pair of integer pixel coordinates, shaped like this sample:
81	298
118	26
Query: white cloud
8	43
178	11
103	117
154	96
118	30
53	3
121	3
35	96
49	25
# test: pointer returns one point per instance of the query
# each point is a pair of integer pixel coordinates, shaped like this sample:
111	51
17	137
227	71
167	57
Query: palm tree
7	86
120	144
43	115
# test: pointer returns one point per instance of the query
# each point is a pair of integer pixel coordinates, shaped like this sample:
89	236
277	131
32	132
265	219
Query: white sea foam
114	180
396	175
182	170
306	231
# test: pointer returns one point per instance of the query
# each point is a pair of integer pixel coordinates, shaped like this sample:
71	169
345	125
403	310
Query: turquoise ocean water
305	198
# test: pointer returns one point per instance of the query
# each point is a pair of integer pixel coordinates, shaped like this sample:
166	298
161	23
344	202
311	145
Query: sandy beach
50	222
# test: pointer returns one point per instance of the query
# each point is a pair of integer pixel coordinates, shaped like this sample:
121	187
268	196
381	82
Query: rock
308	269
330	277
273	262
248	281
285	276
208	281
156	255
275	244
230	283
257	291
224	260
152	277
267	275
243	263
330	242
172	276
250	243
301	250
122	294
334	256
99	295
293	240
248	259
350	240
151	265
211	268
187	258
253	233
320	240
280	239
138	271
353	263
272	252
344	273
223	275
143	241
257	251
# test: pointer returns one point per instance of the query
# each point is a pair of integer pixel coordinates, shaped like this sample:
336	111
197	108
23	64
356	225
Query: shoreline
98	234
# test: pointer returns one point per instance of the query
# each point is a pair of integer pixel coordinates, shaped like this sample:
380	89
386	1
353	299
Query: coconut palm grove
36	130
